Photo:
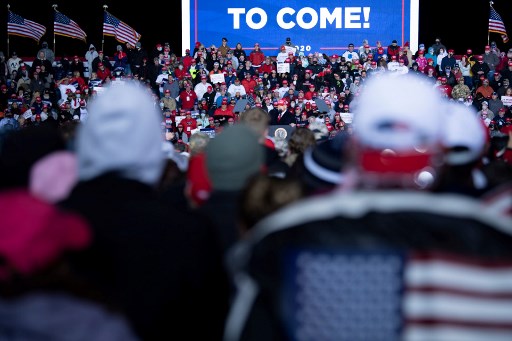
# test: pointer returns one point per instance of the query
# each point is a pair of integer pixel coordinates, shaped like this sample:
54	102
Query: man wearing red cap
248	83
224	112
103	72
77	65
311	93
188	123
267	66
393	64
201	87
282	55
283	89
281	115
378	51
445	88
168	101
235	87
479	69
448	61
187	97
101	58
491	59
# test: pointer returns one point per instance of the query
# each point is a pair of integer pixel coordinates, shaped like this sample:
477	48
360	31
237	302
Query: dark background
160	22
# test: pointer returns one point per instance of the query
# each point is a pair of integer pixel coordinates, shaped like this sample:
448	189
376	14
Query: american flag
118	29
497	25
66	27
18	26
397	296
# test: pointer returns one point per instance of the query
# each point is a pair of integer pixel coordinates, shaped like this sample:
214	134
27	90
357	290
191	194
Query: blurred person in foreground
382	258
40	298
155	263
231	159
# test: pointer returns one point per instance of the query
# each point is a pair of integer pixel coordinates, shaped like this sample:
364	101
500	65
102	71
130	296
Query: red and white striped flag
19	26
118	29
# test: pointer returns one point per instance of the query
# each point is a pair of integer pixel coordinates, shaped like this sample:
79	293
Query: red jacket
267	68
189	124
256	57
224	112
188	99
103	74
249	84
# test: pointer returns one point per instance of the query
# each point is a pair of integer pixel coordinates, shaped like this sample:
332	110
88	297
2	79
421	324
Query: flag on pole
18	26
118	29
497	25
66	27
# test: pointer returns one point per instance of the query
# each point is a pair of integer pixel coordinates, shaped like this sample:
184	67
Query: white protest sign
290	49
507	100
178	119
347	117
283	67
217	78
27	114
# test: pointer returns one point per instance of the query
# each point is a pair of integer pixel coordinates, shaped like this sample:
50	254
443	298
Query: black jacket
330	266
156	264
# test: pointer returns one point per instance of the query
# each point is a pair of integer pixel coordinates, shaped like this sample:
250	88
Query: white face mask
78	96
180	67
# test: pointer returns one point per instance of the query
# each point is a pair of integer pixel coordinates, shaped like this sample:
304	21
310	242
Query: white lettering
306	18
236	16
300	18
326	16
263	18
280	18
352	14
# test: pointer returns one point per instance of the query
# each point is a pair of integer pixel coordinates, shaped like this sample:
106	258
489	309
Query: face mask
78	96
180	67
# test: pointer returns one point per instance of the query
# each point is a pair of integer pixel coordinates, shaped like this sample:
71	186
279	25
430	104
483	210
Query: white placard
507	100
217	78
27	114
347	117
99	89
178	119
290	49
283	67
209	131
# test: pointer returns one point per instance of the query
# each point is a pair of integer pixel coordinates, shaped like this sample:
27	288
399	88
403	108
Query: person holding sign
282	55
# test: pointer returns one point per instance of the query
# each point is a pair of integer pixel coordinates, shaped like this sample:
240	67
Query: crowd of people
232	194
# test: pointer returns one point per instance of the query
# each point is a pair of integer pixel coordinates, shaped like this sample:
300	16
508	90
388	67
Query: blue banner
325	26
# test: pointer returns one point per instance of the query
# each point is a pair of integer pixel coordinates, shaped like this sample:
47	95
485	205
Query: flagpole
102	31
489	32
8	10
54	48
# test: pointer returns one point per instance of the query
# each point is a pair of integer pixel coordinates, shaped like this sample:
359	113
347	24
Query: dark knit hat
322	164
233	157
